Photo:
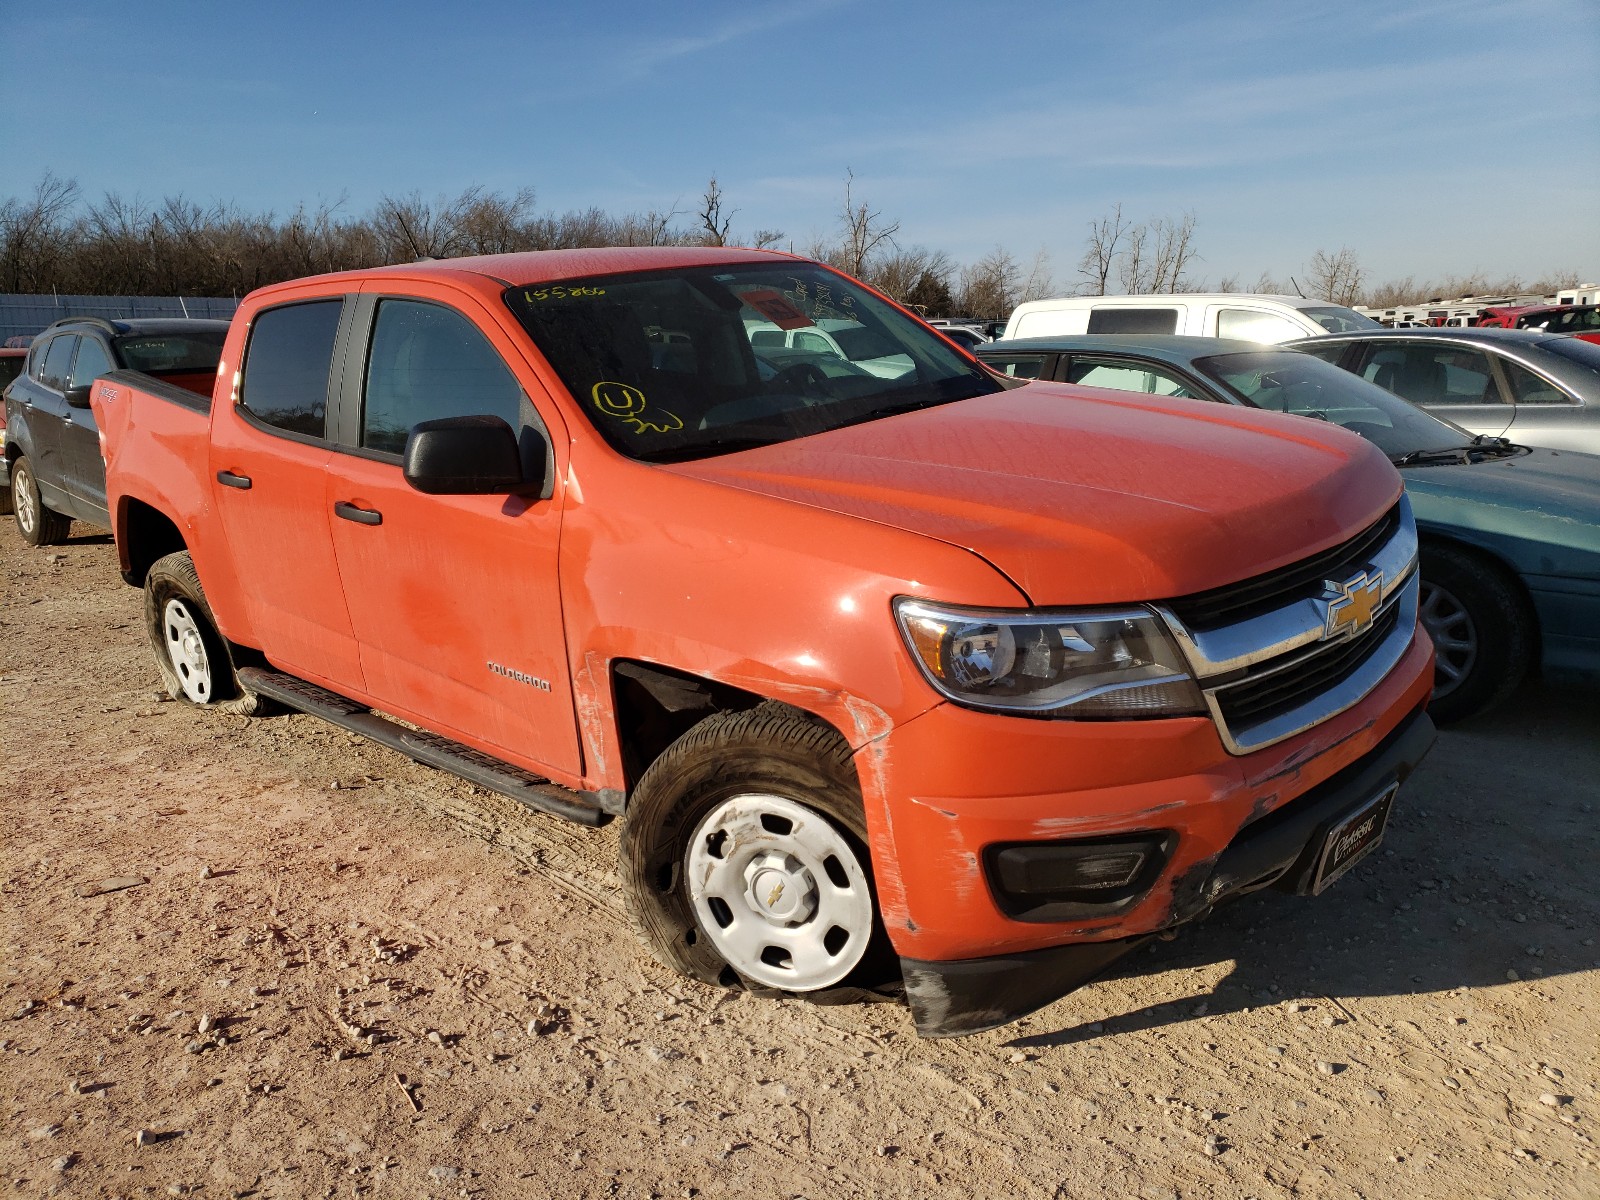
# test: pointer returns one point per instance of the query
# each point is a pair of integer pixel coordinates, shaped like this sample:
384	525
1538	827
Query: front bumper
1281	849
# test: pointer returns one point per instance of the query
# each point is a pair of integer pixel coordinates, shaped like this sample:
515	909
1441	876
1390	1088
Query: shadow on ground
1487	868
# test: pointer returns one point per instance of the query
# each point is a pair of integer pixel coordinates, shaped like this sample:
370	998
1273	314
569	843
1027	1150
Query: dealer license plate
1352	839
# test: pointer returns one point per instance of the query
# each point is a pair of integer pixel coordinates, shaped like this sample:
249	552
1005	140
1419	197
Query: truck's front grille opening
1261	696
1264	593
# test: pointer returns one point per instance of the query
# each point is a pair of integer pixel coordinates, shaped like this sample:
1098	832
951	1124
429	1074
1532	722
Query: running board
429	749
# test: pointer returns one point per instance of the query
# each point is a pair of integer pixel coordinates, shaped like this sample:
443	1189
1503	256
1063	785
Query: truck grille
1267	652
1281	690
1263	593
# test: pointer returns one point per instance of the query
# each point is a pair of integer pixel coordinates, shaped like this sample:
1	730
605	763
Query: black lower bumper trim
969	995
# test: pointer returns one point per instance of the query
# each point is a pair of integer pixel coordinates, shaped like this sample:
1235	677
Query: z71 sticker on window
626	404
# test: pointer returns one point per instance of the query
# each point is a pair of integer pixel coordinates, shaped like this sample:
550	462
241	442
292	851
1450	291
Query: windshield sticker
626	404
820	303
770	304
558	292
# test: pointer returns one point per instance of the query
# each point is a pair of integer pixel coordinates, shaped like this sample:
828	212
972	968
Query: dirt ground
338	973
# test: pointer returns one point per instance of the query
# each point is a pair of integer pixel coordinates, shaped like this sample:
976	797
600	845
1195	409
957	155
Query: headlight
1119	663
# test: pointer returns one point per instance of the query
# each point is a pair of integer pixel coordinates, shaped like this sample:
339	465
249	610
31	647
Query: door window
91	363
1133	320
1253	325
1018	366
58	362
429	362
1528	388
1433	373
1126	376
287	364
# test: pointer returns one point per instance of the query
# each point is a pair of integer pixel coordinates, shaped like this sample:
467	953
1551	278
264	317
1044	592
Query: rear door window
1133	320
428	362
1127	376
287	363
1433	373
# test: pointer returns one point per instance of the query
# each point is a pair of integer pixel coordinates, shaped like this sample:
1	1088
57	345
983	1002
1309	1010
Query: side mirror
78	397
466	456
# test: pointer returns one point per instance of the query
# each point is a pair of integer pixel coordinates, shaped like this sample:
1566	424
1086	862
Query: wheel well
655	706
145	534
1497	564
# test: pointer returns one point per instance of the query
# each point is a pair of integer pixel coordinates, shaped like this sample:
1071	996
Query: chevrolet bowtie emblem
1355	605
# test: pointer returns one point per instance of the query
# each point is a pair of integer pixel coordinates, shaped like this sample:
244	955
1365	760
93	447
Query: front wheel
1484	636
38	525
743	856
195	662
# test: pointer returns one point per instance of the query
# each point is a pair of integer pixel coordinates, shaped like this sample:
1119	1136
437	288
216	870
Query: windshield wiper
708	447
1413	458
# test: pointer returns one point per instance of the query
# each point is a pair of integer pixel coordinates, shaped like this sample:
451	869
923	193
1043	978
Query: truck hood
1086	496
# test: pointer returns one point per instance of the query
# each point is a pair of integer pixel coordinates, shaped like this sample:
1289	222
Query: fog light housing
1066	880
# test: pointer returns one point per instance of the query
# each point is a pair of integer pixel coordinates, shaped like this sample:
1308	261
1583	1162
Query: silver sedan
1536	388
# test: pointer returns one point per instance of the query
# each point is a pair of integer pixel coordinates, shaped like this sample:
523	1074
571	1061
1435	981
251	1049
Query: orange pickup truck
892	669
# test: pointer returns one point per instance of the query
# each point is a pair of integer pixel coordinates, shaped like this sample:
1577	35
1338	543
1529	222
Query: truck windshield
687	363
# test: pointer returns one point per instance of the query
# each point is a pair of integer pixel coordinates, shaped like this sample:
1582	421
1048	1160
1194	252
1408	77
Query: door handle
362	516
229	479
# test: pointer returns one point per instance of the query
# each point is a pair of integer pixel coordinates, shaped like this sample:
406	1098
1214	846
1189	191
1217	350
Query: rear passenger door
454	599
45	415
269	463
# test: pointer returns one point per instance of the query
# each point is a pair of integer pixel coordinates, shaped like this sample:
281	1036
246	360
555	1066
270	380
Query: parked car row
1510	534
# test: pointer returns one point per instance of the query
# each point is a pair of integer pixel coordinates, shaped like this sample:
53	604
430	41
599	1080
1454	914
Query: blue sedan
1510	535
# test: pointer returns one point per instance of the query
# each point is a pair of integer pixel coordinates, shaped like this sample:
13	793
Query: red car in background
1580	320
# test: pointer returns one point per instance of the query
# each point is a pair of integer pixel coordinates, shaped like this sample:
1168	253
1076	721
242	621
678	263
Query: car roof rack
101	323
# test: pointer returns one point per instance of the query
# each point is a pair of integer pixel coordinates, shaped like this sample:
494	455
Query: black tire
38	525
1484	633
195	661
770	751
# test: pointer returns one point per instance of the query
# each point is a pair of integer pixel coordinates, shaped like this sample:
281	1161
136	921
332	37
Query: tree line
55	239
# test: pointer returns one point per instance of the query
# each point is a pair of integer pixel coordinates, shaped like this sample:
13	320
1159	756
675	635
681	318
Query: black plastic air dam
970	995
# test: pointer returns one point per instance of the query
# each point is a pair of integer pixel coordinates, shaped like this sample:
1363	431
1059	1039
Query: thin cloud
650	57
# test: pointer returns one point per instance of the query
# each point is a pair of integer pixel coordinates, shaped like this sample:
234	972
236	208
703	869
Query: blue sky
1431	137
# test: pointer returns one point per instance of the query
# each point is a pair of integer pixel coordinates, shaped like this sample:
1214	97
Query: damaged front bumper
1300	847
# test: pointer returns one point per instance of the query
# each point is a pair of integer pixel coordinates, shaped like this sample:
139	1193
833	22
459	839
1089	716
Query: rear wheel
195	662
1484	636
38	525
744	857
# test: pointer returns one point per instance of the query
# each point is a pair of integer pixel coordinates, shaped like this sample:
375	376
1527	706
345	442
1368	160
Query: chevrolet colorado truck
935	675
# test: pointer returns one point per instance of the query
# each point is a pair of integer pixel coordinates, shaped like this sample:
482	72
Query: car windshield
680	364
171	353
1291	382
1337	319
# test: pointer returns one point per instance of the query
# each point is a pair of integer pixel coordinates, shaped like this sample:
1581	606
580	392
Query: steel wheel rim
778	890
186	649
22	500
1454	634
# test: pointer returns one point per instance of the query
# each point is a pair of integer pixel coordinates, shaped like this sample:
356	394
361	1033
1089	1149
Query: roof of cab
543	266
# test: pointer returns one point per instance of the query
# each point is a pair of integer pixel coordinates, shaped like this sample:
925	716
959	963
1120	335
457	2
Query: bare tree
1037	284
1101	253
1335	277
1174	249
33	233
1133	264
864	230
711	217
988	288
898	273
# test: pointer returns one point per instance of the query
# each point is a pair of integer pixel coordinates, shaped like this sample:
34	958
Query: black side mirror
78	397
465	456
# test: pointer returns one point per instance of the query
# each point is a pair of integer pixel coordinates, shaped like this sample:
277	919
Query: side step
427	748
